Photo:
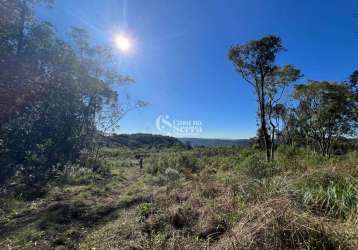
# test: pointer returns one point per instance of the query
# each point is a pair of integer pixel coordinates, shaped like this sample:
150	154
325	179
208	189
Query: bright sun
123	43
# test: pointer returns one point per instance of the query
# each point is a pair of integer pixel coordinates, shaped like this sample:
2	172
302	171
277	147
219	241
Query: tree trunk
263	124
20	38
273	141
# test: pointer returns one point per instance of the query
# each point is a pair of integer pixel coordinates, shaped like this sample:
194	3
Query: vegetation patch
329	194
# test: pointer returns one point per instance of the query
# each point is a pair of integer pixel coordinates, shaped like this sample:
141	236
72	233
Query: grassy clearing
217	198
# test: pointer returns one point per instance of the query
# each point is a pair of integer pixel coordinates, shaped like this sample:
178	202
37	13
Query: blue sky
179	58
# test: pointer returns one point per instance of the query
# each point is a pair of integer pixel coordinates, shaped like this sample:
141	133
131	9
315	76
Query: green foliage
144	210
172	174
275	185
294	158
254	165
54	96
79	175
180	162
352	158
290	157
255	62
330	194
326	111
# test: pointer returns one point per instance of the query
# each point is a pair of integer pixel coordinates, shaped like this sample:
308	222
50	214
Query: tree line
316	114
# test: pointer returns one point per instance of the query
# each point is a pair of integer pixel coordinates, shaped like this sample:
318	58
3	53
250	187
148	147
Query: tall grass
329	194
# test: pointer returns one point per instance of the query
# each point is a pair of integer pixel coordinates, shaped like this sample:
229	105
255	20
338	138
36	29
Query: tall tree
52	93
255	61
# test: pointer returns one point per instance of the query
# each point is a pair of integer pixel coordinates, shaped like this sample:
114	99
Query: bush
144	210
172	174
186	161
256	167
290	158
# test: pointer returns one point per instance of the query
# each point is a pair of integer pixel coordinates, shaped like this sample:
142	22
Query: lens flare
123	43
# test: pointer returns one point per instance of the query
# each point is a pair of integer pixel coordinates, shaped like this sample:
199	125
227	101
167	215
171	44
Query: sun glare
123	43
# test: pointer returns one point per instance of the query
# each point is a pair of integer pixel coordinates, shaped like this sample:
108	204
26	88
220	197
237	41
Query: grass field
204	198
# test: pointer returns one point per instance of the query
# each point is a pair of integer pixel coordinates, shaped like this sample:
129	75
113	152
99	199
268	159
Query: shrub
144	210
172	174
256	167
187	161
290	158
298	158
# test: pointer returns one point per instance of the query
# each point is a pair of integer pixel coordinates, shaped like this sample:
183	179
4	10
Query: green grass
329	194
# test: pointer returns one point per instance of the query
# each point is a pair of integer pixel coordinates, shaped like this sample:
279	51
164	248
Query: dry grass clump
277	224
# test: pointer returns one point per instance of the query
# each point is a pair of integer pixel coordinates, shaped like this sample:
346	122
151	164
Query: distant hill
146	141
135	141
214	142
